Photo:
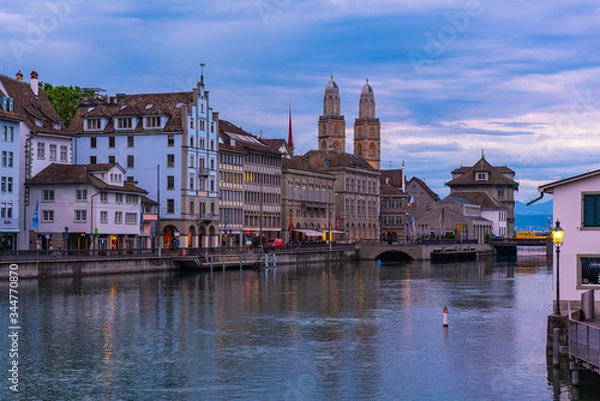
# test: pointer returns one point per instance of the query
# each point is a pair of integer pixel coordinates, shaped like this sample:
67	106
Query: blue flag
35	221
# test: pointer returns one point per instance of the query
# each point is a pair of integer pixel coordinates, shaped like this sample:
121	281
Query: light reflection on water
315	332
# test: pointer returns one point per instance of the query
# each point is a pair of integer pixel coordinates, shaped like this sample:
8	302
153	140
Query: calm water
319	332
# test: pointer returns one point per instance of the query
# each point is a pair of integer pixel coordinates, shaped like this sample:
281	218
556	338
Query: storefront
8	239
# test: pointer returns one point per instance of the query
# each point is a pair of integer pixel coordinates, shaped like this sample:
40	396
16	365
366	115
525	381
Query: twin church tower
367	129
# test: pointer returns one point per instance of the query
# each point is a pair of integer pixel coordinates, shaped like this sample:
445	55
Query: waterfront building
367	129
262	184
42	140
576	204
490	210
231	190
307	203
168	143
455	217
394	214
10	186
497	182
148	220
356	193
419	200
82	207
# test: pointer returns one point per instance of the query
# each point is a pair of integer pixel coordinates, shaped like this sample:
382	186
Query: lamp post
557	238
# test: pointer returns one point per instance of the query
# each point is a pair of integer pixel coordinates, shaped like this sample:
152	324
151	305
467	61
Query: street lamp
557	238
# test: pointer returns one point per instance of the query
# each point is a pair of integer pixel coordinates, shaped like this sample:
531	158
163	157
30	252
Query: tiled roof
244	139
79	174
480	198
334	158
423	185
393	177
298	164
140	105
391	190
28	107
496	175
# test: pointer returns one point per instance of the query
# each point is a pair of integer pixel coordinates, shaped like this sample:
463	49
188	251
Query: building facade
497	182
394	214
10	186
168	144
42	140
80	207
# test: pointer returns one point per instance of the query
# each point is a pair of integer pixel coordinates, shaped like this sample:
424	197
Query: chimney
34	83
19	76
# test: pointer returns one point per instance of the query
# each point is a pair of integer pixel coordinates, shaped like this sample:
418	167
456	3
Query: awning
334	231
9	230
308	232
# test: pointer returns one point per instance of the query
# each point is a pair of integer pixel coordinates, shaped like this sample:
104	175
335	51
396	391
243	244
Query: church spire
290	138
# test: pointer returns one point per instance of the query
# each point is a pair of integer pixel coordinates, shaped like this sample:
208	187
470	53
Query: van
276	242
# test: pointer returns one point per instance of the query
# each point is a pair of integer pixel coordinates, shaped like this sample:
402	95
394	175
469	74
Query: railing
584	342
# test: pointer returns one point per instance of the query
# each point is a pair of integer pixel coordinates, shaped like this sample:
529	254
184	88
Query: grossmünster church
356	191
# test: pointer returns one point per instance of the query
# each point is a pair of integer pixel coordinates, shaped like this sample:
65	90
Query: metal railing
584	342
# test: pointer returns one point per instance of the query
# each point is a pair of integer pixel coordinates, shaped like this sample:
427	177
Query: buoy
445	317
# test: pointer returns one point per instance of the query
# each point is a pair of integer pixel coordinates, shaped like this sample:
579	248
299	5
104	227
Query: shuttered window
591	210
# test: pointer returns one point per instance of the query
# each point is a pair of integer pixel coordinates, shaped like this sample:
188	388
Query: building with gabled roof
168	143
497	182
42	138
491	209
356	192
84	207
393	212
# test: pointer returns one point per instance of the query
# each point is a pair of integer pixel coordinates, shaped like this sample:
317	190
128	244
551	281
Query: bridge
508	246
422	251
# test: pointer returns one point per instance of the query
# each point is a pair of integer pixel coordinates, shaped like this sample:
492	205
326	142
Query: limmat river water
353	331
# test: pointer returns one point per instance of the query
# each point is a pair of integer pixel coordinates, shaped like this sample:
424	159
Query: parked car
276	242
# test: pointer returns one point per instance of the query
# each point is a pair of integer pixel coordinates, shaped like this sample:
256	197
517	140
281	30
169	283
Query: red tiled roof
468	175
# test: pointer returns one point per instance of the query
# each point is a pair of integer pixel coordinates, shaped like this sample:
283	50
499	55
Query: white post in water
445	317
556	347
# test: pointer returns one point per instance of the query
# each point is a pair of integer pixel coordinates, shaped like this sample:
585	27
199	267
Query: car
275	242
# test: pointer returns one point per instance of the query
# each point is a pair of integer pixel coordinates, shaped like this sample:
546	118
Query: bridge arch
394	256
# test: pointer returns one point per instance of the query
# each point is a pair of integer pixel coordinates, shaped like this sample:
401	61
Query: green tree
65	99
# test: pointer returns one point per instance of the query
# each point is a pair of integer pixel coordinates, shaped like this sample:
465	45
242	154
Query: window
111	142
41	151
111	159
119	198
103	217
7	158
170	205
170	141
153	122
93	160
3	185
124	122
130	218
93	123
47	216
48	195
81	195
80	216
103	197
591	211
130	163
118	217
130	142
192	161
93	142
132	199
191	181
52	153
170	182
500	193
63	153
170	160
481	177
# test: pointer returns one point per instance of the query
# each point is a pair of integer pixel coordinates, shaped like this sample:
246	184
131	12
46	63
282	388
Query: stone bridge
405	252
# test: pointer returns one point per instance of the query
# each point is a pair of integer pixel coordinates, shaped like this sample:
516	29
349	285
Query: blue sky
518	79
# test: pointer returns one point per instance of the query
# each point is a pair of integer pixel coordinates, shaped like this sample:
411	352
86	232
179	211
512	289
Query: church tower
332	125
367	129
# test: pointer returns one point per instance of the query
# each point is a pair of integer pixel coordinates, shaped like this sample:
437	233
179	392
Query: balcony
203	171
208	217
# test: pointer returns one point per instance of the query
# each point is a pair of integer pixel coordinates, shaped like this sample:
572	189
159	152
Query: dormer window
481	176
153	122
92	124
39	122
57	126
124	122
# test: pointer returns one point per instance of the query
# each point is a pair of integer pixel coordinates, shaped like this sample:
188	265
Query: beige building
497	182
393	213
308	207
367	129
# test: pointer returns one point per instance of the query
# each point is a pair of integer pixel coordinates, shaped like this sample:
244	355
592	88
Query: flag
142	219
411	221
226	222
291	225
35	221
410	200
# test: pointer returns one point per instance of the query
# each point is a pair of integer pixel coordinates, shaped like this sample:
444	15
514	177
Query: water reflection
353	331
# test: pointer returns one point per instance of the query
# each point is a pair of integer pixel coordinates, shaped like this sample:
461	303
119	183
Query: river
356	331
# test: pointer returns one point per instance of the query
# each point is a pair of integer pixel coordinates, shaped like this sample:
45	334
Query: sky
517	80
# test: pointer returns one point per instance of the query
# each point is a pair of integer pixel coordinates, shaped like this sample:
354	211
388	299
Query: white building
42	140
576	204
9	176
168	144
84	207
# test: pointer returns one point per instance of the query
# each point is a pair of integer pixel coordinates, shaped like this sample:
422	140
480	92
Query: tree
65	99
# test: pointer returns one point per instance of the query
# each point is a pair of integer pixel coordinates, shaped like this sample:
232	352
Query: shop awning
308	232
9	230
334	231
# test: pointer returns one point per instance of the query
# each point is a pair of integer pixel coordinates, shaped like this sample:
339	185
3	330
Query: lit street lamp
557	238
